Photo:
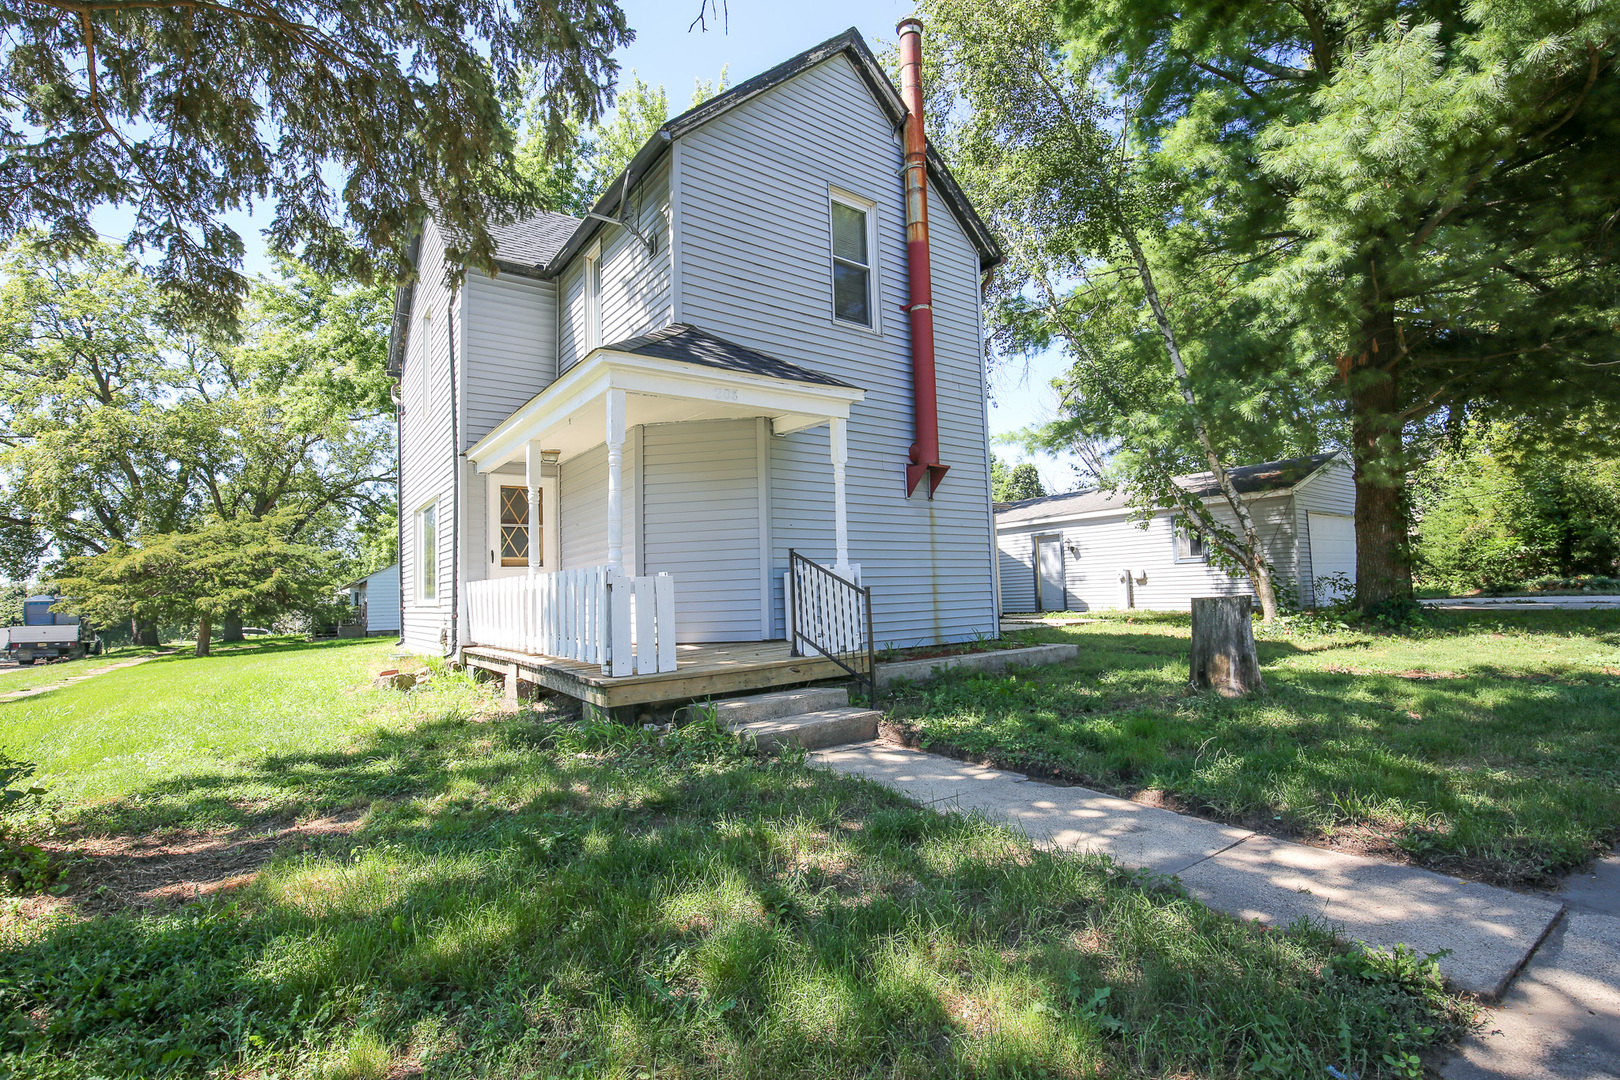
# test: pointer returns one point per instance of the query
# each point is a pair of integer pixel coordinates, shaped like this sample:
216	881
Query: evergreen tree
352	120
1420	193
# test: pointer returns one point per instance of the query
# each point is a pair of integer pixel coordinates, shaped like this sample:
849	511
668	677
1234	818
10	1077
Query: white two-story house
714	368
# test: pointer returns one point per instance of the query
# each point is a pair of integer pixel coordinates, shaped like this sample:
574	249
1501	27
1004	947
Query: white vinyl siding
754	190
633	291
1111	544
701	522
427	457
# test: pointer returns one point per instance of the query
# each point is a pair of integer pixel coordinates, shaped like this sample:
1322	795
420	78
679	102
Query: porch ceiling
570	415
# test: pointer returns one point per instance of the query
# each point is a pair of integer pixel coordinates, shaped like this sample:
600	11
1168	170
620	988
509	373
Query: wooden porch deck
701	671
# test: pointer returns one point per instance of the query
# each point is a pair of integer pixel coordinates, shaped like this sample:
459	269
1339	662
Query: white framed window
427	553
593	297
1189	542
853	263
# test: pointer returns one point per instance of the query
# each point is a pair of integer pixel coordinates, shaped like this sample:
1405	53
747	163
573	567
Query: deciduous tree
1084	214
223	570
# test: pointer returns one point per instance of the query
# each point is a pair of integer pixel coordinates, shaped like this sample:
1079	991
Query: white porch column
839	444
531	477
615	491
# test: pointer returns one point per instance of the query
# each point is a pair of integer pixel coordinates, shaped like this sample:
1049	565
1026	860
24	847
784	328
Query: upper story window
593	297
854	247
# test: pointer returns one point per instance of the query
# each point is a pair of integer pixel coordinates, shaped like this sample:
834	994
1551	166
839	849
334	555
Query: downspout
454	643
925	451
399	499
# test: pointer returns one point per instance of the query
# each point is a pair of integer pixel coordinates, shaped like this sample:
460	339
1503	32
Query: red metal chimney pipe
925	451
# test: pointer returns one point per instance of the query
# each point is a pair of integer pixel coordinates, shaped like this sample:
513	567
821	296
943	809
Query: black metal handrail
832	616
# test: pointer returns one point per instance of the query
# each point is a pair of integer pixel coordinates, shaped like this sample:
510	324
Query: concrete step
812	730
745	710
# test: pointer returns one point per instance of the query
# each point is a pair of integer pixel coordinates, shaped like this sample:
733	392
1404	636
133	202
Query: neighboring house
1088	549
377	596
711	369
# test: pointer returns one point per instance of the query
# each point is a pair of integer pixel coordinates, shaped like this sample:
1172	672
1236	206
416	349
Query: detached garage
1088	549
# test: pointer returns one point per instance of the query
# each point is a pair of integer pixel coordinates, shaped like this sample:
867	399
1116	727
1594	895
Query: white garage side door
1333	551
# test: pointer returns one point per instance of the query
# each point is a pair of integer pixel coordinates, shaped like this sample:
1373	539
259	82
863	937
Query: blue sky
761	34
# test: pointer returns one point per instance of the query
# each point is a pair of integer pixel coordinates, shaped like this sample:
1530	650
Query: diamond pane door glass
514	526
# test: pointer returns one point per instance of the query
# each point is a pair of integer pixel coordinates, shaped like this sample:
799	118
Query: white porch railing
597	615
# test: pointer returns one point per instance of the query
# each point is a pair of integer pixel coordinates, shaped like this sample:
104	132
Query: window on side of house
852	261
427	552
1189	542
593	298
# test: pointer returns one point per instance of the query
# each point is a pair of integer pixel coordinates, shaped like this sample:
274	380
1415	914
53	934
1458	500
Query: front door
1049	573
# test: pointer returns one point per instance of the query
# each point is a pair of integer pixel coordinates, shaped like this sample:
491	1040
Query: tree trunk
1383	559
1254	555
1223	653
145	633
205	630
230	631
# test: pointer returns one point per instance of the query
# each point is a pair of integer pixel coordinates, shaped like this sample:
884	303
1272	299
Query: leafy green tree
571	178
351	119
89	453
1419	192
1047	155
1011	483
117	427
1501	507
224	570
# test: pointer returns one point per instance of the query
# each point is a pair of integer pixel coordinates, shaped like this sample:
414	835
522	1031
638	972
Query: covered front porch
633	501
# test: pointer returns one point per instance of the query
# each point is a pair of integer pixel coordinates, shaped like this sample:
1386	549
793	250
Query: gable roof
850	44
528	244
683	341
1270	476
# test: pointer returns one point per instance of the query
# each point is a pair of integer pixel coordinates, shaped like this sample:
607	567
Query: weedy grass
526	897
1485	744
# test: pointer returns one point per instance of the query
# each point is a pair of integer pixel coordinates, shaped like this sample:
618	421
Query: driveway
1524	603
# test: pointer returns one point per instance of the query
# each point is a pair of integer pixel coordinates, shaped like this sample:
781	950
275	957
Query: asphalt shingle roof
533	241
1248	479
683	341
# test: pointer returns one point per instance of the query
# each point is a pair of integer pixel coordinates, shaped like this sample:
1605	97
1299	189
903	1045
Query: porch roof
679	373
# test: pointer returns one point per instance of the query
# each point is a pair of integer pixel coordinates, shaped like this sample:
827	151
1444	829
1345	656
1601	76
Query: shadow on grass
1510	779
523	898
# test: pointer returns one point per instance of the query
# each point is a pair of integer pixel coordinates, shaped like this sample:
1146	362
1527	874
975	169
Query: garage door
1333	554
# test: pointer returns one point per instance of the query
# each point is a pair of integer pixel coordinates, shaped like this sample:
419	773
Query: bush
1495	512
23	867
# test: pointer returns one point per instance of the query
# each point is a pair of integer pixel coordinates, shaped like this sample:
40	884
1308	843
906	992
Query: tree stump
1223	655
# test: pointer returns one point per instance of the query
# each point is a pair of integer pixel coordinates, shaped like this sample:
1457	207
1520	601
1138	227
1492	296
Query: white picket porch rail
598	615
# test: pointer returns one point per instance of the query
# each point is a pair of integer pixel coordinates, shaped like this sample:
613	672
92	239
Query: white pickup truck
48	635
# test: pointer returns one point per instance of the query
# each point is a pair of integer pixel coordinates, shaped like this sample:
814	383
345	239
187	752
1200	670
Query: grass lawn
480	894
1486	744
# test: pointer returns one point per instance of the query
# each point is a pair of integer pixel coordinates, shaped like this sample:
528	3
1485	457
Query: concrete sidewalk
1490	932
1561	1018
